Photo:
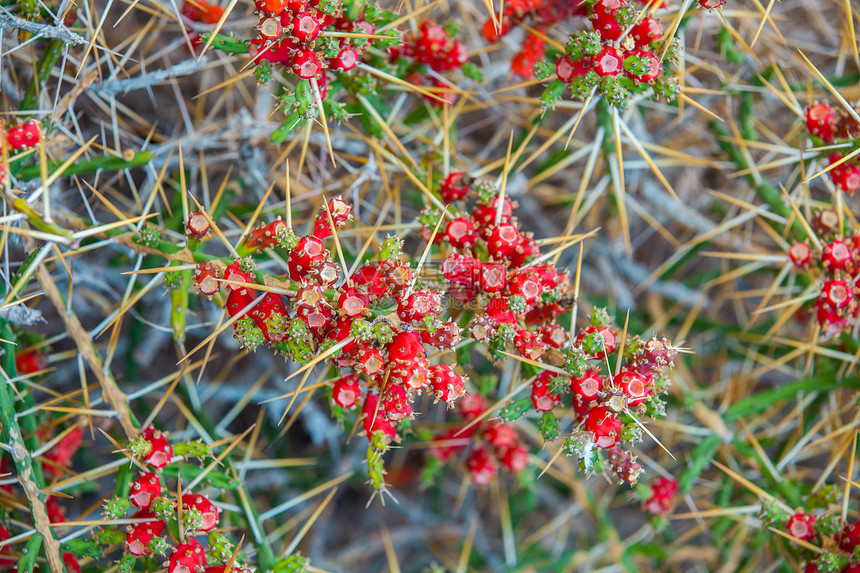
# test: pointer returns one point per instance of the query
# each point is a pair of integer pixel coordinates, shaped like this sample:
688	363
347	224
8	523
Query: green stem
44	66
29	474
103	162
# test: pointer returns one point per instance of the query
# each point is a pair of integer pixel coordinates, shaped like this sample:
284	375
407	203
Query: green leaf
228	44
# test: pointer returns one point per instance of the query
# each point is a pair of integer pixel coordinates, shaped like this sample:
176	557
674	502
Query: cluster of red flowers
837	267
376	322
159	514
624	54
491	443
538	15
432	51
494	272
17	138
21	136
820	524
288	32
836	126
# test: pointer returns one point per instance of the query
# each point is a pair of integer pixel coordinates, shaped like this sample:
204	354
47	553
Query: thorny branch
60	32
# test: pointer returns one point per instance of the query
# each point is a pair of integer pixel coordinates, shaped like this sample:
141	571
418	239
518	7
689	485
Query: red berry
498	310
137	540
24	136
607	26
523	63
397	402
567	69
542	398
837	293
206	279
352	303
308	254
821	121
447	385
527	285
553	335
484	216
662	493
234	273
160	450
461	233
445	443
412	375
608	62
800	254
646	31
237	301
471	406
197	225
604	425
801	525
369	360
369	279
849	538
375	419
461	269
586	390
206	508
527	249
634	385
71	563
271	6
406	347
306	65
846	176
418	305
488	30
515	459
345	60
607	7
186	558
453	187
830	320
503	241
528	344
480	465
145	489
55	513
836	256
306	27
500	437
493	277
30	361
270	28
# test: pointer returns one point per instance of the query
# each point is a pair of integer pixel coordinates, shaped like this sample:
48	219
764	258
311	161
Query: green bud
548	426
390	249
263	72
116	507
515	409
